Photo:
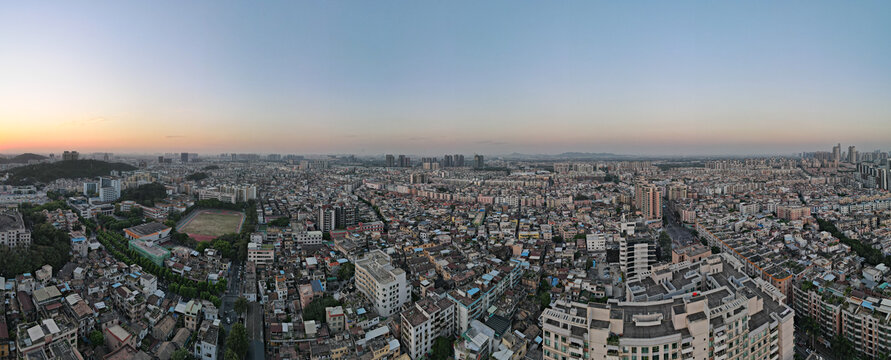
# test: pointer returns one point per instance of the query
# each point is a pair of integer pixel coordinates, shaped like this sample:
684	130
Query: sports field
207	224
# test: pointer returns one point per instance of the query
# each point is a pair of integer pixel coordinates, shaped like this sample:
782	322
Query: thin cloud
89	121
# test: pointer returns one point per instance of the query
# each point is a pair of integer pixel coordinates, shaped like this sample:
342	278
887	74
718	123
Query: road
678	232
227	303
254	324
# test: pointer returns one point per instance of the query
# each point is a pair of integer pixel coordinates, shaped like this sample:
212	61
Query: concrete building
39	338
12	230
192	315
473	300
596	242
335	319
152	231
731	317
116	337
422	323
636	256
261	254
382	283
206	343
309	238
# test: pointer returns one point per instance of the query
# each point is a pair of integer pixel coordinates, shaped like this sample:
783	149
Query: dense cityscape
381	257
445	180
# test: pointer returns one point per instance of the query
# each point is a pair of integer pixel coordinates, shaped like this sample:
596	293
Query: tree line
118	246
871	255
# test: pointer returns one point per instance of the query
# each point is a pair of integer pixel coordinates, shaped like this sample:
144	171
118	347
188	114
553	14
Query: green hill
22	159
71	169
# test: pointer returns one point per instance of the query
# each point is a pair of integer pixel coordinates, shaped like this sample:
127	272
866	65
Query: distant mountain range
22	159
571	156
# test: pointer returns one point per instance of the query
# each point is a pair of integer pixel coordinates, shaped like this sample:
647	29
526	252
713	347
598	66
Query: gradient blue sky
661	77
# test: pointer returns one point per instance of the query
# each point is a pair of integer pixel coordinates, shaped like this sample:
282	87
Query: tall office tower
852	154
447	161
70	155
648	199
391	161
704	310
836	154
478	161
184	157
160	159
382	283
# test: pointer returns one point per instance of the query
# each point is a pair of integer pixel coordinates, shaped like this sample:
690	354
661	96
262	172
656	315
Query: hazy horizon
644	78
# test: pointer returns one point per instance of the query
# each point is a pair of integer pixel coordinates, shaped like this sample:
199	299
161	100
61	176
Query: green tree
237	341
842	347
96	338
241	305
181	354
230	355
442	348
346	271
316	309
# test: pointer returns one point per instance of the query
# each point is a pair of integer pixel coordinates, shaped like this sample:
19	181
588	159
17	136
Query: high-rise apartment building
459	160
448	161
404	161
478	162
390	160
648	199
852	154
636	256
836	154
727	316
382	283
864	320
337	216
70	155
184	157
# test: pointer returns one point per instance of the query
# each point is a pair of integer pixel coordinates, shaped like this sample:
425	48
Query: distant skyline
637	78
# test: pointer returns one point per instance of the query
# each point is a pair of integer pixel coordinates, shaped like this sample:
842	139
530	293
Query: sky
424	77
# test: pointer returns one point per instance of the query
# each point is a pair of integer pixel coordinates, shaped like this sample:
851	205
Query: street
254	324
678	232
